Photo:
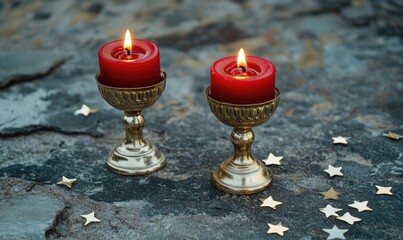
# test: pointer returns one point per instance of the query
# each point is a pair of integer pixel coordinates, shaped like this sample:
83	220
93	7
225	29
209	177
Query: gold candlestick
135	156
242	173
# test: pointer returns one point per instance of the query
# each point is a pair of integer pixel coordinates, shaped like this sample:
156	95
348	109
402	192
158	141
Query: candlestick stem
133	123
242	140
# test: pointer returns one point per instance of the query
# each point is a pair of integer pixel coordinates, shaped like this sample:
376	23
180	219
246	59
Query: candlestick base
134	156
242	173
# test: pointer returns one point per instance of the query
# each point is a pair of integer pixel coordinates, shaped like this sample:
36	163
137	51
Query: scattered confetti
339	139
67	182
273	160
330	194
335	233
334	171
329	210
270	202
393	135
360	206
89	218
85	110
348	218
384	190
279	229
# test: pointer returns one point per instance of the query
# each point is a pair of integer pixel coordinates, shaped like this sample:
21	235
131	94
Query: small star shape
360	206
89	218
330	194
278	228
273	160
348	218
340	139
84	110
270	202
67	181
393	135
330	211
335	233
384	190
334	171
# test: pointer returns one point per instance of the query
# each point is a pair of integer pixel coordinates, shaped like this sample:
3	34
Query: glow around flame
241	62
128	41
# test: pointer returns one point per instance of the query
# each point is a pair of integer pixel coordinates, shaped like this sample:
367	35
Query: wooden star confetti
85	111
393	135
330	194
270	202
329	210
360	206
273	160
348	218
340	139
67	182
89	218
278	228
334	171
384	190
335	233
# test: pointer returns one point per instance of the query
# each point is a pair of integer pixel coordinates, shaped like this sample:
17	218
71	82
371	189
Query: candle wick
243	69
127	51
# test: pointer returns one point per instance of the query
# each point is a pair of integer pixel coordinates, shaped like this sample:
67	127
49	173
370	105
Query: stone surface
28	217
339	72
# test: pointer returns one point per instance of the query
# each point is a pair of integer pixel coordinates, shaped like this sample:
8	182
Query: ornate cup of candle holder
242	173
135	156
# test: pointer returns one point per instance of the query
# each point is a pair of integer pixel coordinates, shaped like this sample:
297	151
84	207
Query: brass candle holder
135	156
242	173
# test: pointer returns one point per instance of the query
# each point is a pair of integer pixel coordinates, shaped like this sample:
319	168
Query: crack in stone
31	77
10	132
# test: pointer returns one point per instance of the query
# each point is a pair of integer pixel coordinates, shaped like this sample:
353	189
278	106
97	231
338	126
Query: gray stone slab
28	217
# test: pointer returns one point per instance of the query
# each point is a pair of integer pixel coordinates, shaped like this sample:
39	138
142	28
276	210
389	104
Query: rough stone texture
28	217
339	72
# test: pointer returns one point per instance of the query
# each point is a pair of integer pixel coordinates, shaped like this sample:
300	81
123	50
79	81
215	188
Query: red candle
244	80
126	66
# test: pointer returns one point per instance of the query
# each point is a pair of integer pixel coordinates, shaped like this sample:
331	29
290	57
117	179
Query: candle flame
127	45
241	61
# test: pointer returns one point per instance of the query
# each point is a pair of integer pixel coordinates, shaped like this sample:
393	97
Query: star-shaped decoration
330	211
384	190
340	139
89	218
360	206
273	160
334	171
67	181
348	218
335	233
269	202
278	228
330	194
393	135
84	110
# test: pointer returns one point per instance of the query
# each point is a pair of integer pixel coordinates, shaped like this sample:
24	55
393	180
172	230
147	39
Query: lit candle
243	80
126	65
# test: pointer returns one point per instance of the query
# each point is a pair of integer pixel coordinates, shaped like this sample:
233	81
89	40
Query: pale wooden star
348	218
335	233
393	135
360	206
269	202
384	190
330	194
85	110
278	228
89	218
340	139
334	171
67	182
273	160
330	211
